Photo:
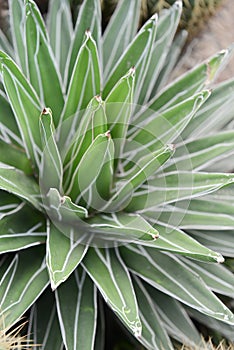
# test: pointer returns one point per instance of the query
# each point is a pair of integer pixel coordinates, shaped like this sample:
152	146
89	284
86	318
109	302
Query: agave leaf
204	151
216	325
15	156
76	303
18	233
92	178
22	279
220	241
154	335
179	327
217	277
120	30
17	21
64	253
60	31
93	122
204	214
159	270
110	275
161	128
62	210
136	55
42	71
89	18
207	120
5	44
122	227
15	181
167	26
174	240
100	331
25	105
118	107
189	83
83	86
132	180
7	119
51	172
172	59
175	186
43	321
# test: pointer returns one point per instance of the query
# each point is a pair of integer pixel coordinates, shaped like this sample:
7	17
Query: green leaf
120	30
15	181
167	26
83	85
215	325
15	156
7	120
93	122
201	214
43	321
173	240
136	55
25	105
207	120
41	67
110	275
89	18
189	83
121	227
64	253
118	106
156	129
51	172
154	335
63	211
220	241
203	151
171	276
172	59
5	45
60	30
17	17
179	327
92	178
176	186
77	310
217	277
22	279
16	233
132	180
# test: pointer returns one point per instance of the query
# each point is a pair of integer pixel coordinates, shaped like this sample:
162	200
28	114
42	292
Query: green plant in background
95	200
194	16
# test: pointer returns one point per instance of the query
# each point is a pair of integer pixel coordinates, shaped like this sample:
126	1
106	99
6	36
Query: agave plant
115	190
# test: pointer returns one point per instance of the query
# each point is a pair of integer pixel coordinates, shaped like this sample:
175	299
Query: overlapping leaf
77	310
160	269
109	273
22	279
121	29
43	74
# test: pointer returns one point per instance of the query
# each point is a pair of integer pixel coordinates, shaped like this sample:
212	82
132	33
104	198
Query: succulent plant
115	187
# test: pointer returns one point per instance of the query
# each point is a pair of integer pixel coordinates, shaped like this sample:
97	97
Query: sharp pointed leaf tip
108	134
88	34
99	99
220	259
46	111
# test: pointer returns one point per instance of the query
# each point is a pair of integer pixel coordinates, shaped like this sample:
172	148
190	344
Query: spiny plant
195	12
115	190
10	339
